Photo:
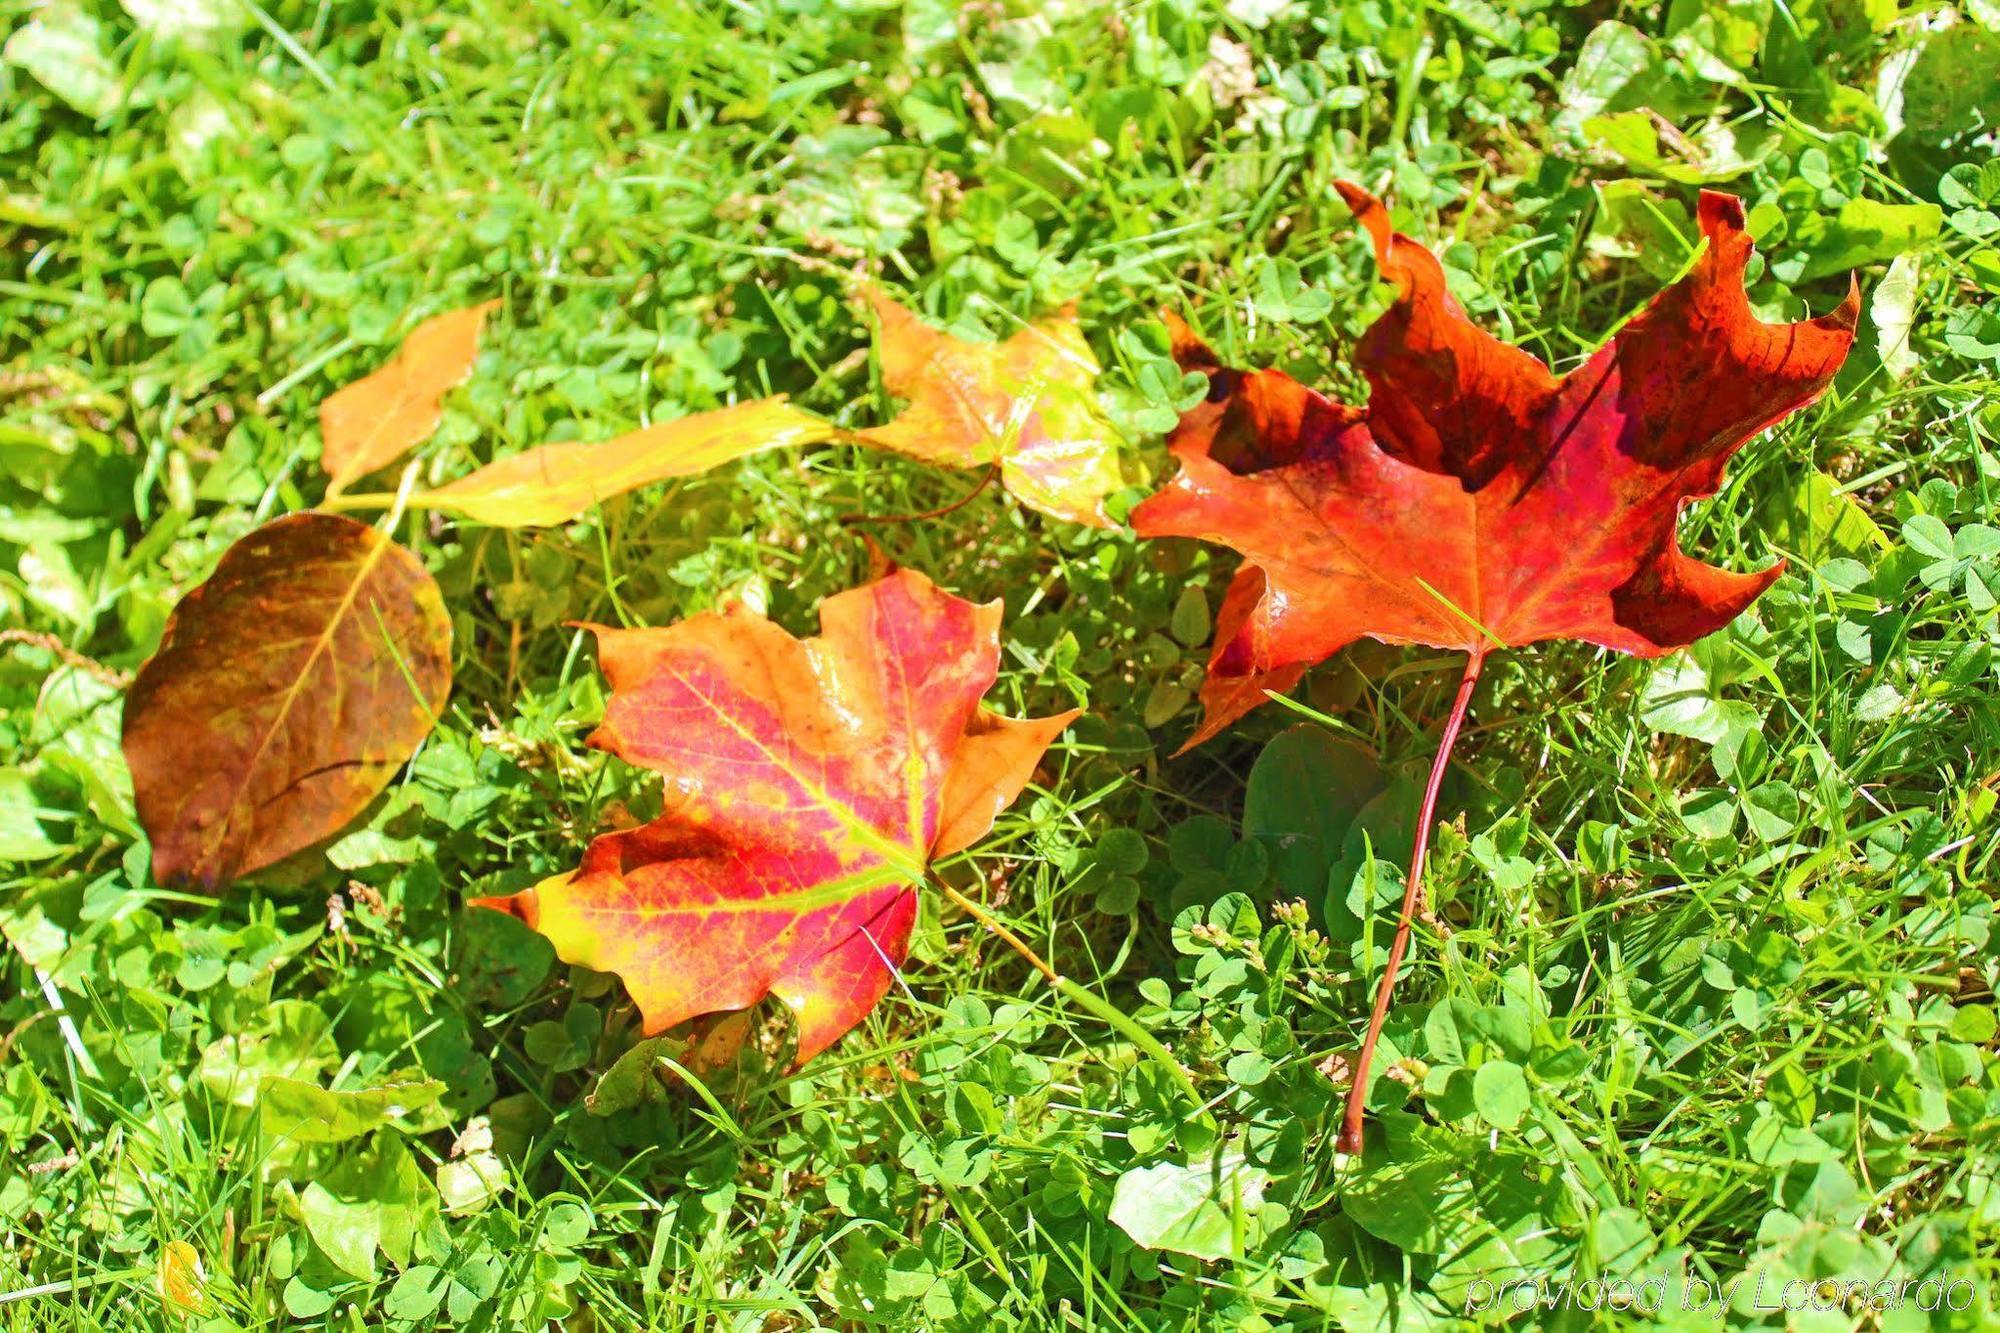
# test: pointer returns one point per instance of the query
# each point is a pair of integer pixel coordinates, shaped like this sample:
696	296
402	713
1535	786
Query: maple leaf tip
1358	199
1846	316
880	563
1719	211
1721	218
522	906
1370	212
885	306
1185	345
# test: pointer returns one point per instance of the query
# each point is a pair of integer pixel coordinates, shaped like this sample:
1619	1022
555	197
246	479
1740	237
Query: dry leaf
372	422
182	1281
554	483
1029	401
1480	500
287	691
1027	405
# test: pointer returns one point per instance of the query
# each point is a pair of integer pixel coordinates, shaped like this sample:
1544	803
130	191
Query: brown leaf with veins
287	691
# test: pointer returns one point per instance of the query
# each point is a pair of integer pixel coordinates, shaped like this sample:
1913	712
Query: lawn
1698	1024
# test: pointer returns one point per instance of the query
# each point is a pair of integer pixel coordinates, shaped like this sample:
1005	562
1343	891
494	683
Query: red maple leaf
809	783
1480	500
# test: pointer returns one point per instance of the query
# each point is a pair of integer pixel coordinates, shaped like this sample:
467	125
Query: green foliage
1706	986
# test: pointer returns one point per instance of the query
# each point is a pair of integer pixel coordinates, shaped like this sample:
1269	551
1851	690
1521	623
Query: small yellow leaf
718	1040
183	1281
554	483
373	421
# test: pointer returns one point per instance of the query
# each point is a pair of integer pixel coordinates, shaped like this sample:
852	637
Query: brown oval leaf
286	692
370	423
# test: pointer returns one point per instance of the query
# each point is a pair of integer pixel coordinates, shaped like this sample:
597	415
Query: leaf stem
1091	1002
402	500
68	1286
334	504
1350	1129
992	471
67	655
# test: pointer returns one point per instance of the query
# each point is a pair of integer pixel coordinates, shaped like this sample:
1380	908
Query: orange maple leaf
1026	405
809	784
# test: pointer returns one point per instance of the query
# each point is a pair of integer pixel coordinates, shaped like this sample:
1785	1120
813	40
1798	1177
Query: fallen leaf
1893	306
808	785
1028	402
706	1047
196	22
474	1175
182	1280
1481	500
1337	1068
554	483
717	1043
63	48
286	692
370	423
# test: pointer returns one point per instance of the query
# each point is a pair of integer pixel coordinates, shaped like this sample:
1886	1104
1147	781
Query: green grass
1709	992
